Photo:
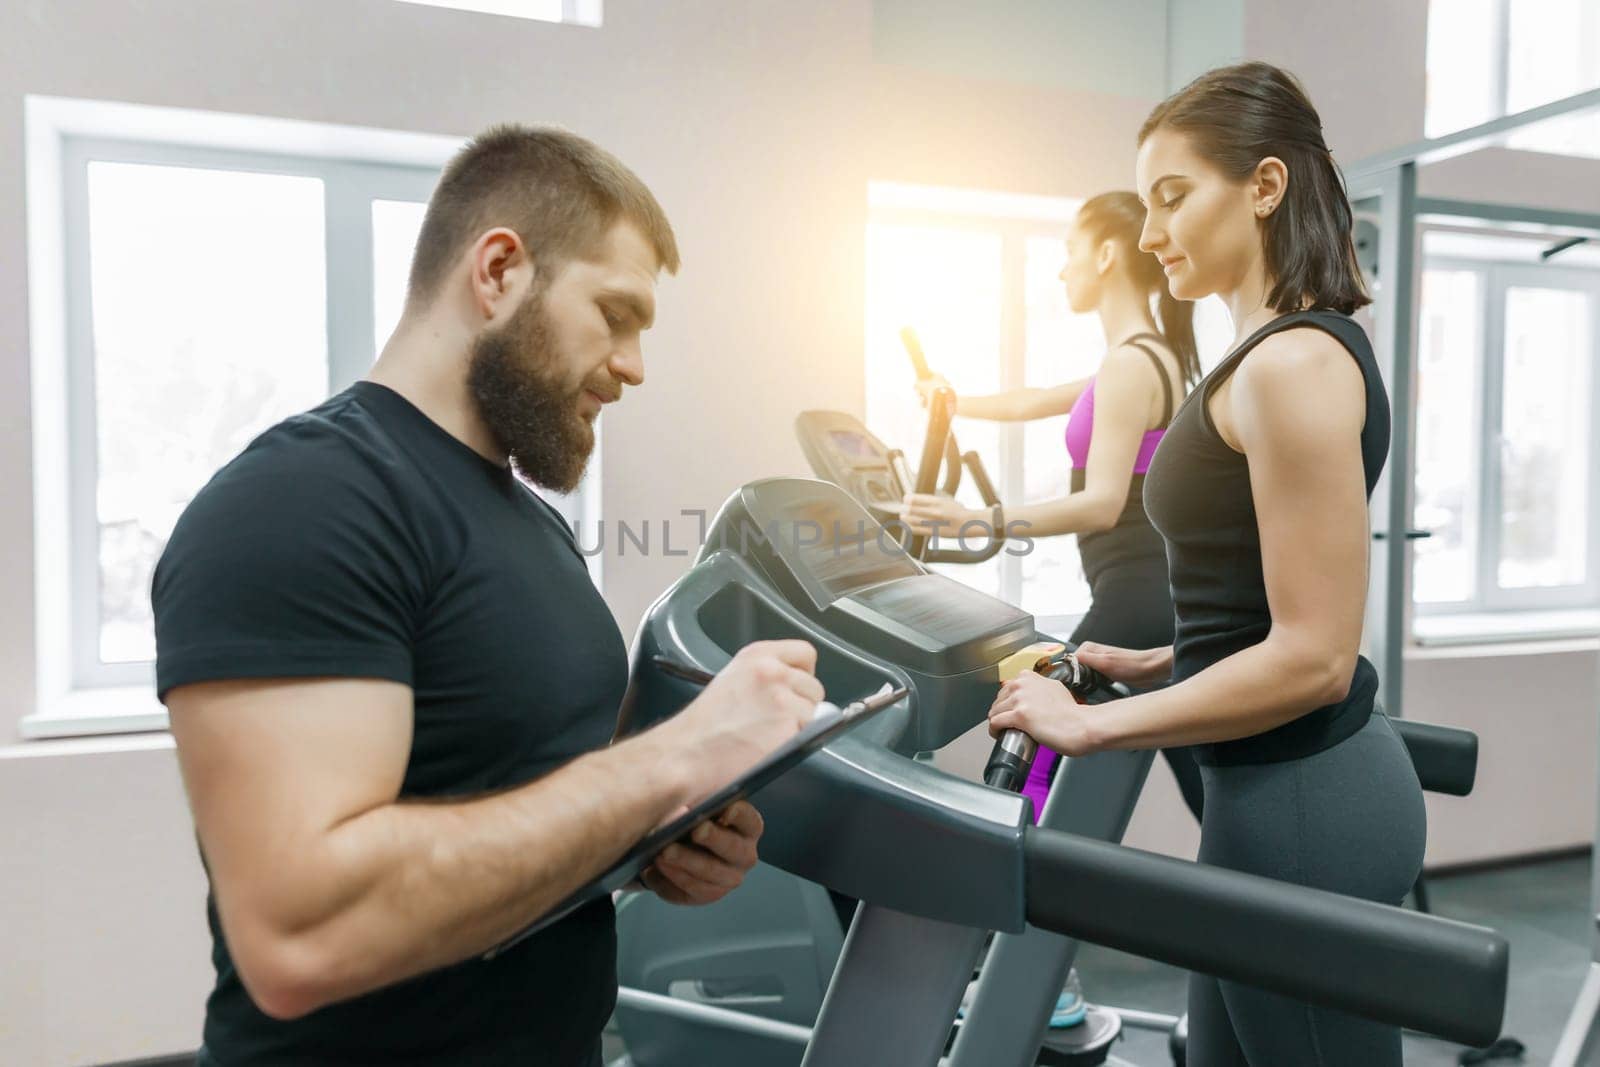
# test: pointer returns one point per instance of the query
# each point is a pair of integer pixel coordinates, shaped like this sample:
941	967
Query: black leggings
1349	820
1132	608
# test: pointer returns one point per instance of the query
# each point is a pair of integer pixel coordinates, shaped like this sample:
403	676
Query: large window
976	275
182	365
1505	474
209	294
1488	58
186	298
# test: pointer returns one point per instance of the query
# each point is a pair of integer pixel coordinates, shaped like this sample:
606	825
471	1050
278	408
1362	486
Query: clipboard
830	722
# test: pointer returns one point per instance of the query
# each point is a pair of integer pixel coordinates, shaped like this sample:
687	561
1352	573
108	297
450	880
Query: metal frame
1391	179
1389	600
1432	208
1363	179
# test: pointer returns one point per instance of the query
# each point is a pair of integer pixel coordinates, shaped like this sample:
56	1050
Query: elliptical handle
941	409
952	466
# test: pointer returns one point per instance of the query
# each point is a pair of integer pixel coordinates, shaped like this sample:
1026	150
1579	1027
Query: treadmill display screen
853	445
840	551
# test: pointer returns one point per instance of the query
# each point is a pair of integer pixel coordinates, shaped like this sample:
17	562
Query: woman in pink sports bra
1117	418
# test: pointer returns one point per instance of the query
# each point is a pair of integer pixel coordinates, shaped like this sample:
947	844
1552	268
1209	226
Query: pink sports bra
1080	423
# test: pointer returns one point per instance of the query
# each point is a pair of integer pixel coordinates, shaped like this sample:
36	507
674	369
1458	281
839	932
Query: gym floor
1542	907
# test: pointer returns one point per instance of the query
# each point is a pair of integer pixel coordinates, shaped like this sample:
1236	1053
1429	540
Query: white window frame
75	693
348	189
1499	58
1488	599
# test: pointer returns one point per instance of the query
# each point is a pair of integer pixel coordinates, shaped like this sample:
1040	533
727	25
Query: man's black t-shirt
361	540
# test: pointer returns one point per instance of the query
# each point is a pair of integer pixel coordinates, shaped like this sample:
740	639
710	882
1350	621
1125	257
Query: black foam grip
1006	770
1419	971
1446	758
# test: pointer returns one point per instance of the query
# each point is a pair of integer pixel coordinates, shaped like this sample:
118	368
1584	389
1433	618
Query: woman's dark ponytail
1177	326
1119	217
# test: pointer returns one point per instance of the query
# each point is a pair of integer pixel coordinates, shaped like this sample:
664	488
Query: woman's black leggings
1349	820
1132	608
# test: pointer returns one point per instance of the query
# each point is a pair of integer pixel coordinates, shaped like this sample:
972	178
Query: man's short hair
560	192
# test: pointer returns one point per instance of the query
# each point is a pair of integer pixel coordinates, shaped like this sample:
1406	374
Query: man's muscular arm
329	886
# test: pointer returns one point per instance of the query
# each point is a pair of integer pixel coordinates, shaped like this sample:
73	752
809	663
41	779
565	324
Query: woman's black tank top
1197	493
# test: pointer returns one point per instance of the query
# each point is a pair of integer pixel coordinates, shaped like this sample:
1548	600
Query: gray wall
1202	34
1512	176
1360	60
1103	46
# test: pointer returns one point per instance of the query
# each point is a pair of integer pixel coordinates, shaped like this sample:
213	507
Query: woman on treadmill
1117	417
1260	490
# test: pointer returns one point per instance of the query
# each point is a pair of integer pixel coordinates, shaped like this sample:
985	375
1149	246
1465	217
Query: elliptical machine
843	451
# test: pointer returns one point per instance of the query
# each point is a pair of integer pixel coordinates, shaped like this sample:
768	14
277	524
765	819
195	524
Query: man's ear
501	270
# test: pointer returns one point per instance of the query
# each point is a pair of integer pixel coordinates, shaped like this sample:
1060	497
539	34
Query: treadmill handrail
1381	962
1446	758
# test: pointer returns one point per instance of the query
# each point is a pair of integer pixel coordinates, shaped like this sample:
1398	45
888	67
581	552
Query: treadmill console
833	562
846	453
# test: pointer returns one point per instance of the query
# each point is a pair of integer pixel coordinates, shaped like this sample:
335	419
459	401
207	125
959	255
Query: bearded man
392	684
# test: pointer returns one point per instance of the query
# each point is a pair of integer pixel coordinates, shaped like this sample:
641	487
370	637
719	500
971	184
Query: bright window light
583	12
1554	51
1505	396
1461	87
961	266
944	283
1448	372
1545	431
1062	347
1488	58
209	325
395	225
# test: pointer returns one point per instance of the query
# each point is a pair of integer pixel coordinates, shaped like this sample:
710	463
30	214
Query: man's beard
515	378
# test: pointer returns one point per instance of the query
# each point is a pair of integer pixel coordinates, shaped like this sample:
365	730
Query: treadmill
938	861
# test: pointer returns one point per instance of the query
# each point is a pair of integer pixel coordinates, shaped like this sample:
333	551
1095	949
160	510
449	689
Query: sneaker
966	999
1070	1008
